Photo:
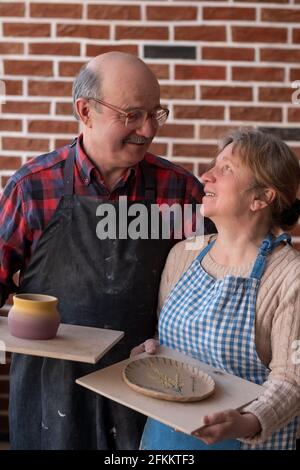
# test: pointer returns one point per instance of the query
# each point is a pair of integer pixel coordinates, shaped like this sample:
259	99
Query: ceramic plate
168	379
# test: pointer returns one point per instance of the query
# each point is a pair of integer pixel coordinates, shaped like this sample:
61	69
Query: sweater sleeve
280	402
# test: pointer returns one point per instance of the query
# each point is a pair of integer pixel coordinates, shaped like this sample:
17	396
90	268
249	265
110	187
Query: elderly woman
235	304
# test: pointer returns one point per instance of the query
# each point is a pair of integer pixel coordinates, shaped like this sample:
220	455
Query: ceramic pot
33	316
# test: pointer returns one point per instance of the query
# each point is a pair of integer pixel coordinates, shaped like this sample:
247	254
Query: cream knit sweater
277	327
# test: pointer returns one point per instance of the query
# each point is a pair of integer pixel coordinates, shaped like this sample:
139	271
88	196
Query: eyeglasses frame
124	113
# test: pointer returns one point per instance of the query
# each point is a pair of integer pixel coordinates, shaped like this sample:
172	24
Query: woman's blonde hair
274	165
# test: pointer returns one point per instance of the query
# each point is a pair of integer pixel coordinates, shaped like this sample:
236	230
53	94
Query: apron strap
149	181
268	244
205	251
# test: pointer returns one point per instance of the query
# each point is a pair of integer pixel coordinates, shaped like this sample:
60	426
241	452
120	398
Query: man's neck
111	176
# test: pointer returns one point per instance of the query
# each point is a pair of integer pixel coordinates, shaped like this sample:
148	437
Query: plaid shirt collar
87	168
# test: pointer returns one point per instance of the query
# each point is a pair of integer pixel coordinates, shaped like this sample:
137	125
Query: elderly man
48	231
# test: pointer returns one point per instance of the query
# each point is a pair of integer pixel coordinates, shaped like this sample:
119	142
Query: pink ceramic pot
33	316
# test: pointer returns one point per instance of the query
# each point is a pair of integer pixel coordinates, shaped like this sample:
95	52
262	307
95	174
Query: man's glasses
136	118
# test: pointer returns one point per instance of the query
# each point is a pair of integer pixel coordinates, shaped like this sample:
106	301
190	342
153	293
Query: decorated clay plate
168	379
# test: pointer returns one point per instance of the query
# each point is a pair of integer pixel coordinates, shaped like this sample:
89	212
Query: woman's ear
265	197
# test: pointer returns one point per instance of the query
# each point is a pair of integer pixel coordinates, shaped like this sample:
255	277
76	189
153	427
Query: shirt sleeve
280	402
14	236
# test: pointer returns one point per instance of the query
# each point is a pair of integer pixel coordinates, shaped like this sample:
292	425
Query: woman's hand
229	424
149	346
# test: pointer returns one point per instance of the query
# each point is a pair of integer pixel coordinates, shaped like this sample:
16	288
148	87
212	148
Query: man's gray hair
86	85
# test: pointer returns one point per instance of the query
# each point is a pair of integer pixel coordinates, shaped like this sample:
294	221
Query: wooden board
73	343
230	392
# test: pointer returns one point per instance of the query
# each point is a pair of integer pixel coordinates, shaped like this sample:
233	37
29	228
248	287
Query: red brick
142	32
227	53
114	12
161	71
280	55
28	67
171	13
93	49
200	33
64	108
53	88
294	74
296	36
189	166
199	112
158	148
254	113
62	142
57	48
55	10
53	127
228	13
296	151
274	94
28	107
258	34
194	150
10	125
260	74
283	15
11	48
12	9
294	114
177	92
214	132
10	163
26	144
230	93
90	31
26	29
202	168
13	87
199	72
176	130
70	69
295	231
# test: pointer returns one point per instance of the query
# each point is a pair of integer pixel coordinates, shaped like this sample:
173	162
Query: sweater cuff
265	416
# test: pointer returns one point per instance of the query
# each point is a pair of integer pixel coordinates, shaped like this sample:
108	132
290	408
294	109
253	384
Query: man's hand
149	346
229	424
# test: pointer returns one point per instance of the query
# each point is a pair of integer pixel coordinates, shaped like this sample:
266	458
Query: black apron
99	283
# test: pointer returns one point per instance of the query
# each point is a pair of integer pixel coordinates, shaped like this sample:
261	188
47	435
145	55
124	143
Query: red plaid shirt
32	195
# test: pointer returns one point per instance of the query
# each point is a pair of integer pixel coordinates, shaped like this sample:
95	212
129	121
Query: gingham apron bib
213	320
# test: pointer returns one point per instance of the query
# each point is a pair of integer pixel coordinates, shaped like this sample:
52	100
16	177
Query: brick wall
220	64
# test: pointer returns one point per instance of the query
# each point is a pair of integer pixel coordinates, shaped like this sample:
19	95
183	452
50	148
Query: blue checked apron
213	320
